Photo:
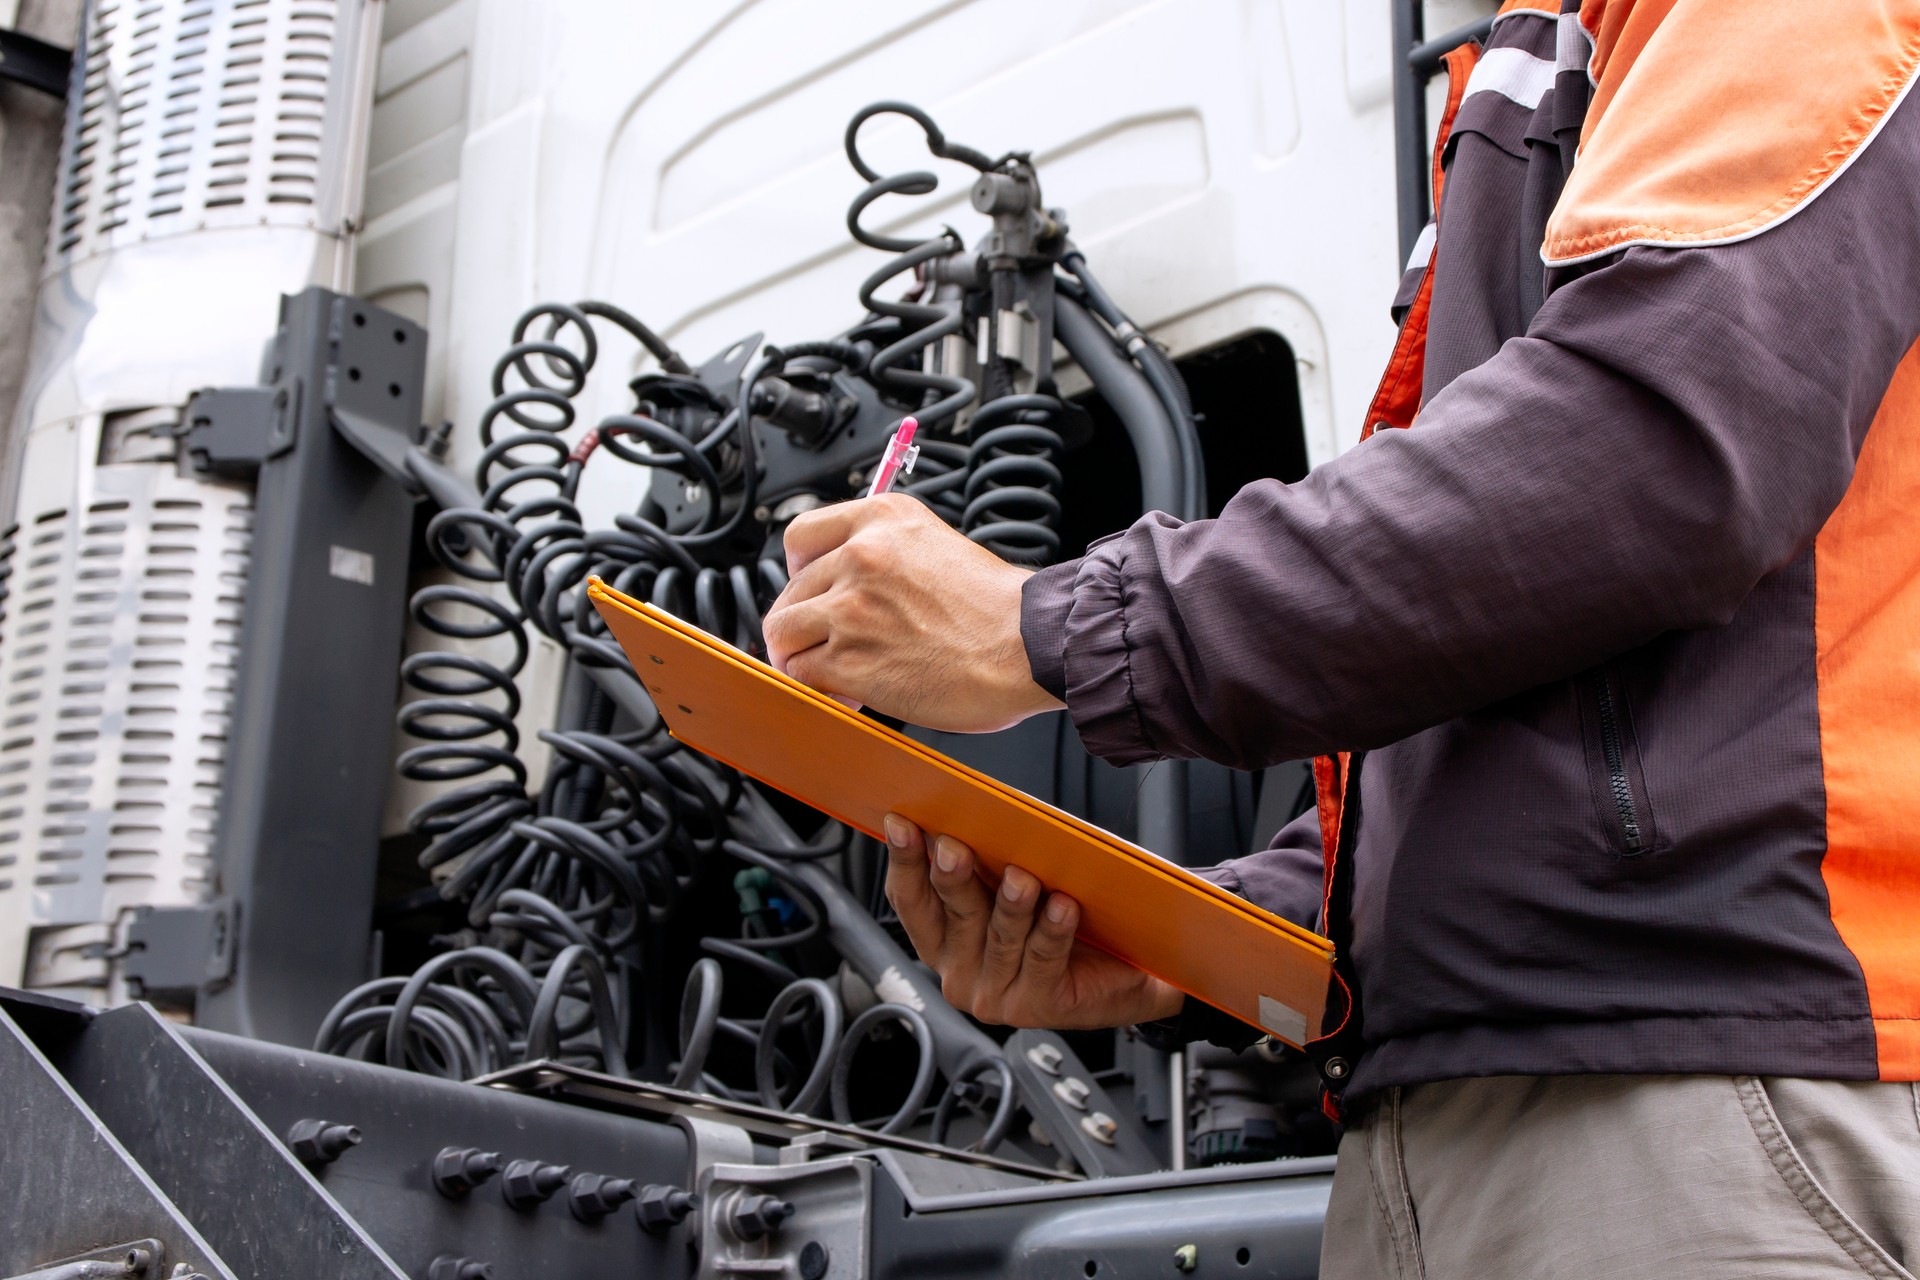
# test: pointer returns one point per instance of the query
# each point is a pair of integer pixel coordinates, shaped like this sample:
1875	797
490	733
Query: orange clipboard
1155	915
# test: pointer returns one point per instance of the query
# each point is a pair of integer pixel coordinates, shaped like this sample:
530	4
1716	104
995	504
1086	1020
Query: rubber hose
922	1076
1156	444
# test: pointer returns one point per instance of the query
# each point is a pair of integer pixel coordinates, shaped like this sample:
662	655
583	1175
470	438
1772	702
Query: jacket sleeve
1286	878
1675	424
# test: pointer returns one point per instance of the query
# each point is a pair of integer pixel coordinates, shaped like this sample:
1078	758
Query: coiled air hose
566	888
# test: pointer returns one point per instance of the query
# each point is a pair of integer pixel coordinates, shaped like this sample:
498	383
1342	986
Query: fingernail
1056	911
1013	888
945	855
898	832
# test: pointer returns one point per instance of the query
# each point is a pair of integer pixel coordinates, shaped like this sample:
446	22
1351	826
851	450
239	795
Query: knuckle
804	531
853	610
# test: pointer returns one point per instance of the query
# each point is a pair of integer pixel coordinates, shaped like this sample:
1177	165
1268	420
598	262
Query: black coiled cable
1003	489
1013	478
561	887
565	888
803	1005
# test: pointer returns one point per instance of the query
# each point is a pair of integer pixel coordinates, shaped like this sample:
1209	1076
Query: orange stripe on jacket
1397	399
1712	120
1867	628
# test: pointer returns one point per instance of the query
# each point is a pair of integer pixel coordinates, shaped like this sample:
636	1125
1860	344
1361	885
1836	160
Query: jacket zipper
1613	748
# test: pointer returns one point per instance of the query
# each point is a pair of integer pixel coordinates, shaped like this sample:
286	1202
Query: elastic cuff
1099	661
1045	598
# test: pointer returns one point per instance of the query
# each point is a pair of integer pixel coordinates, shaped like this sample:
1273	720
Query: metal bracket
320	646
710	1142
35	63
373	363
825	1229
232	431
1080	1118
175	952
367	384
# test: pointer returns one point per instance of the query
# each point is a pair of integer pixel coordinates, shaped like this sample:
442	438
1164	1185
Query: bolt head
1047	1057
662	1207
1101	1127
528	1182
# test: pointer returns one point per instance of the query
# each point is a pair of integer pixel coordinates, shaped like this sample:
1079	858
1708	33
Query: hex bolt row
526	1184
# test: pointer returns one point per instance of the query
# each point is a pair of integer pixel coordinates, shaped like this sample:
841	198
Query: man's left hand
889	607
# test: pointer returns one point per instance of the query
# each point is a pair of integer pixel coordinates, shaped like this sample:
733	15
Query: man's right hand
1010	957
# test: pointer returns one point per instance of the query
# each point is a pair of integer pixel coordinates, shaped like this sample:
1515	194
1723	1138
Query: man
1626	630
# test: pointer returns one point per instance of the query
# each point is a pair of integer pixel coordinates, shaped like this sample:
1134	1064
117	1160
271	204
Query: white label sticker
354	566
1287	1023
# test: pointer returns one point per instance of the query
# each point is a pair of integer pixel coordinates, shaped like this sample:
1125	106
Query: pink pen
898	459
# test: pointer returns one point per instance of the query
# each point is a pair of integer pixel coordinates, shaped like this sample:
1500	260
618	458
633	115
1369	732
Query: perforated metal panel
117	645
198	115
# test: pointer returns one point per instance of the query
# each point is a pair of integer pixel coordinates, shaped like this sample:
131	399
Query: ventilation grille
195	114
118	636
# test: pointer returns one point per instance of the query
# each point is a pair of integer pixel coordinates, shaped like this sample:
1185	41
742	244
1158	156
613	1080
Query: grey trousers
1584	1177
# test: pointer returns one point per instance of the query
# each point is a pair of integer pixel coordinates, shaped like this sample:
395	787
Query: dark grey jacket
1628	622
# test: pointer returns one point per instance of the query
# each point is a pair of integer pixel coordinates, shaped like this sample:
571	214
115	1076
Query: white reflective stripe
1572	45
1422	249
1540	9
1512	73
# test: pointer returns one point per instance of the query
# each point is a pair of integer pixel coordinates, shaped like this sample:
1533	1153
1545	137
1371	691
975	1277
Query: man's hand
889	607
1010	957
